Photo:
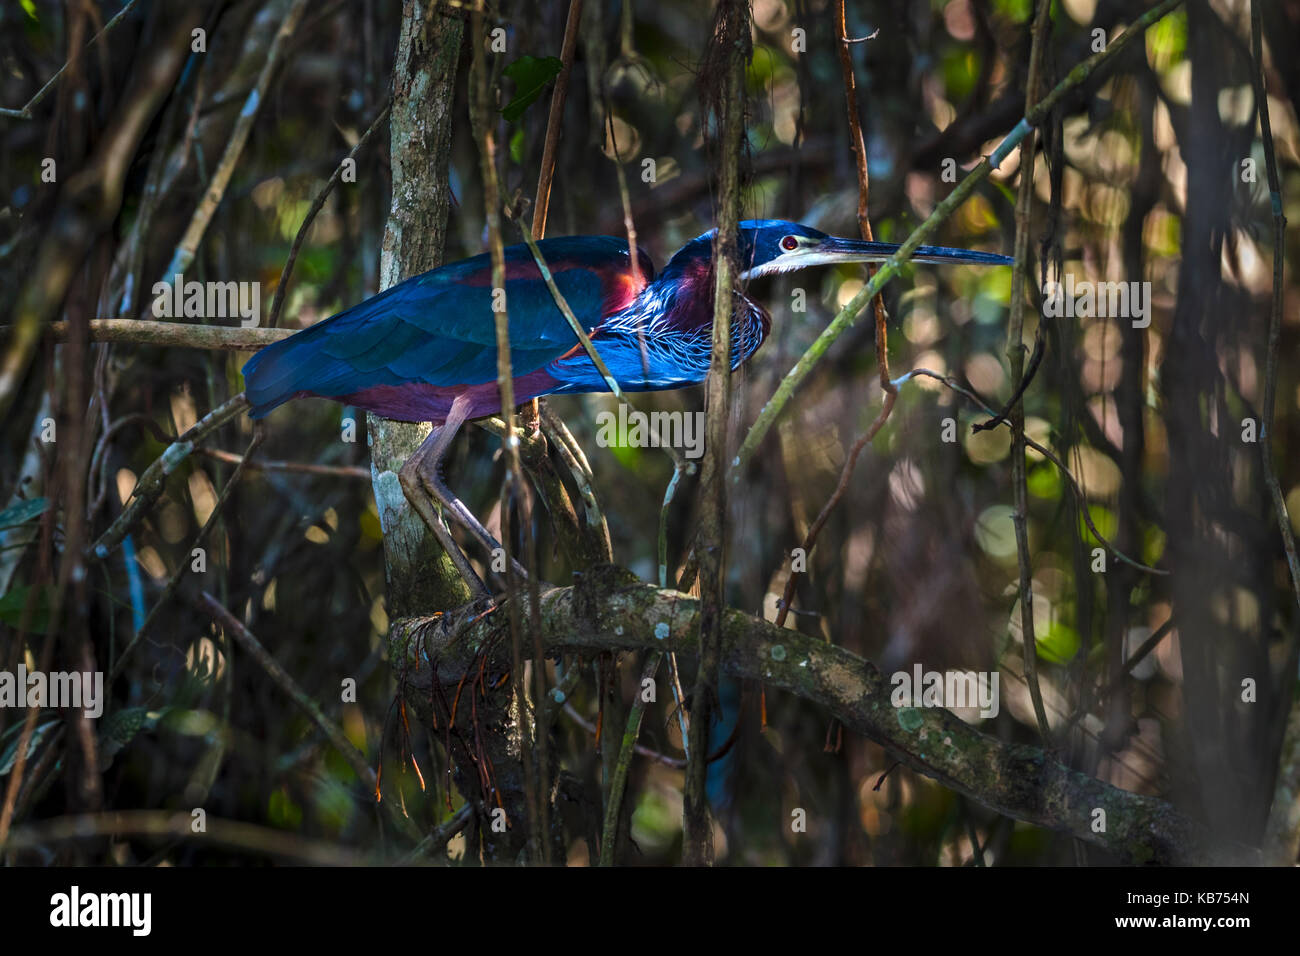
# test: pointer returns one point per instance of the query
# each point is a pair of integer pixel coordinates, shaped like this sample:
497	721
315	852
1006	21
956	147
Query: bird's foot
436	488
408	477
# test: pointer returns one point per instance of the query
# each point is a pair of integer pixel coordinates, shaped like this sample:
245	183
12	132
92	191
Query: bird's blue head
769	246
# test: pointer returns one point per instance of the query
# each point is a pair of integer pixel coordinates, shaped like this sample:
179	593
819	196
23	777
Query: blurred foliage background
918	563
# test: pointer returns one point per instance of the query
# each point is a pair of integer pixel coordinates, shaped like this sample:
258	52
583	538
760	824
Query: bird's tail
285	370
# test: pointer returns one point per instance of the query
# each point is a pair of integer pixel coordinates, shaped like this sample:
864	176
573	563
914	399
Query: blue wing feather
439	329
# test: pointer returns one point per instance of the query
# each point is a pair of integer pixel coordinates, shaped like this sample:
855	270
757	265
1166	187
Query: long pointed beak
835	249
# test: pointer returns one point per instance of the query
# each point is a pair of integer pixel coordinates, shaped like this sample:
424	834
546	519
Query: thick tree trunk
483	740
1223	597
420	576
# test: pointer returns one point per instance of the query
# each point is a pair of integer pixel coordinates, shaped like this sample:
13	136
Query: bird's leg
426	466
409	476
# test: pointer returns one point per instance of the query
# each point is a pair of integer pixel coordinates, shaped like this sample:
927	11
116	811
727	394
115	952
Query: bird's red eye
789	243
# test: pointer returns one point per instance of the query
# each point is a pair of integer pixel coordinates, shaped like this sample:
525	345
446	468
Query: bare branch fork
949	382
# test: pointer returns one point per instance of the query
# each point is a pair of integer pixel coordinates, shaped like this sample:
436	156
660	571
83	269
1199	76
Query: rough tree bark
421	578
722	86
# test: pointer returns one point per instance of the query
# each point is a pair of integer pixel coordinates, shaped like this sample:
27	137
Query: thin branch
99	458
173	334
88	204
580	471
188	246
538	806
846	473
132	262
1138	656
282	286
179	825
554	123
442	834
676	763
1275	315
1040	30
614	806
882	319
292	467
332	731
864	188
185	563
722	88
26	111
681	465
847	40
1040	348
555	119
1047	453
1283	826
150	486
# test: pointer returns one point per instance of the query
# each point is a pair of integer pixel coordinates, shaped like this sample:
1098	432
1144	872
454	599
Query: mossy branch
608	610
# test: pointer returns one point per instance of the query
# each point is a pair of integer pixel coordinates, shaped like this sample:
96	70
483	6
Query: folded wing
439	328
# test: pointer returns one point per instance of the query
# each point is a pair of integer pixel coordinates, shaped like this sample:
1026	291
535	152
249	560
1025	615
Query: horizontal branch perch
174	334
607	609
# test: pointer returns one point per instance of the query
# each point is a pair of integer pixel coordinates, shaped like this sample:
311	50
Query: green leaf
628	456
1104	519
1059	644
531	76
282	811
12	604
23	512
1044	482
1166	41
1017	10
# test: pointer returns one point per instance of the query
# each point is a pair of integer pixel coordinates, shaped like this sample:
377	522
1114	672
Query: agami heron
425	349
